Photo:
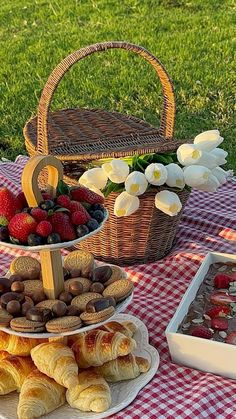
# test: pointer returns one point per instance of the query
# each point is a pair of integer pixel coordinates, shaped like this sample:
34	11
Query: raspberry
84	194
221	298
218	311
78	217
47	196
62	225
219	323
44	228
201	332
39	214
78	207
222	281
64	201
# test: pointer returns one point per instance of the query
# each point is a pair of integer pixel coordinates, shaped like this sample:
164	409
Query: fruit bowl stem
52	273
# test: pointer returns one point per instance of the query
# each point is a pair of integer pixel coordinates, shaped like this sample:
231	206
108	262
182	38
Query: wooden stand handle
51	262
29	179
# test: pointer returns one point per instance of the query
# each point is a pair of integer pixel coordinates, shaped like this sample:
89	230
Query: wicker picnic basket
79	136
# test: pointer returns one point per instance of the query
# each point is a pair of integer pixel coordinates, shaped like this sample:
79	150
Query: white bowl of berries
202	333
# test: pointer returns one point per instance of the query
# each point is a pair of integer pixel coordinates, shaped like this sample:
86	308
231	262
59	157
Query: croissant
13	372
126	328
16	345
57	361
39	395
123	368
91	393
95	347
3	355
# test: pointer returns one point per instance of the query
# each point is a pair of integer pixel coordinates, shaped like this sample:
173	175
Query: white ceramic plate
122	393
119	308
56	245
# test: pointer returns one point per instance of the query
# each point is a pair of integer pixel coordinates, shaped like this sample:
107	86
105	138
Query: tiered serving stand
50	254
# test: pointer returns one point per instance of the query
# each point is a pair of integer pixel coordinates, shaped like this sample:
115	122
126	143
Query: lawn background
193	39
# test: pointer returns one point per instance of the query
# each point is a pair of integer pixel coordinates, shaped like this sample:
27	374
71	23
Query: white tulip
136	183
95	177
220	156
156	174
220	174
210	186
168	202
188	154
196	175
116	170
175	176
208	140
126	204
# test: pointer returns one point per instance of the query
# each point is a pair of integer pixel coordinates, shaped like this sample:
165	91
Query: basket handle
168	112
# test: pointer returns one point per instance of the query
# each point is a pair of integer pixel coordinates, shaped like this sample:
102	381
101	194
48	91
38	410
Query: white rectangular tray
122	393
203	354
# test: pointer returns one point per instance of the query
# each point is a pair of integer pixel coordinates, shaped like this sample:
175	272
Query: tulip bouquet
194	165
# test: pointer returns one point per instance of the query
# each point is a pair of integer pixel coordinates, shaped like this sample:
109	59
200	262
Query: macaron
21	324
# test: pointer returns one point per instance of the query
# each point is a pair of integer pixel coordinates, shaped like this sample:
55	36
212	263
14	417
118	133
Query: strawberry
78	207
84	194
21	226
219	323
231	338
39	214
44	228
218	311
221	298
46	196
201	332
222	281
64	201
62	225
22	199
9	204
79	217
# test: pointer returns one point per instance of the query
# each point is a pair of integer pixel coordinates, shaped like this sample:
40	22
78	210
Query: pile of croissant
47	374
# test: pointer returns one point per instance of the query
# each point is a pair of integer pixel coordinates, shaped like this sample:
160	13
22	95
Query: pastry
3	355
123	368
39	396
95	347
120	289
97	317
57	361
21	324
126	328
79	259
84	281
5	318
117	273
25	266
63	324
91	393
81	300
17	345
13	372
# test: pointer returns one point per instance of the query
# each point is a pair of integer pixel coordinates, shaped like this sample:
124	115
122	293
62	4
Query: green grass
192	38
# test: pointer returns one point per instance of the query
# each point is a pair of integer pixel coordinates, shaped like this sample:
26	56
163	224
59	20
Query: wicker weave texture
145	236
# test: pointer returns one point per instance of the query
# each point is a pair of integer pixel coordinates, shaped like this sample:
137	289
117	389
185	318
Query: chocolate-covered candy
15	277
17	286
72	311
97	304
5	285
38	296
36	314
112	301
97	287
75	273
66	274
59	309
75	288
13	307
102	274
25	307
9	296
66	297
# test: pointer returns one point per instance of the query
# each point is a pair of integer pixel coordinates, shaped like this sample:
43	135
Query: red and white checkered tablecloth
208	224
